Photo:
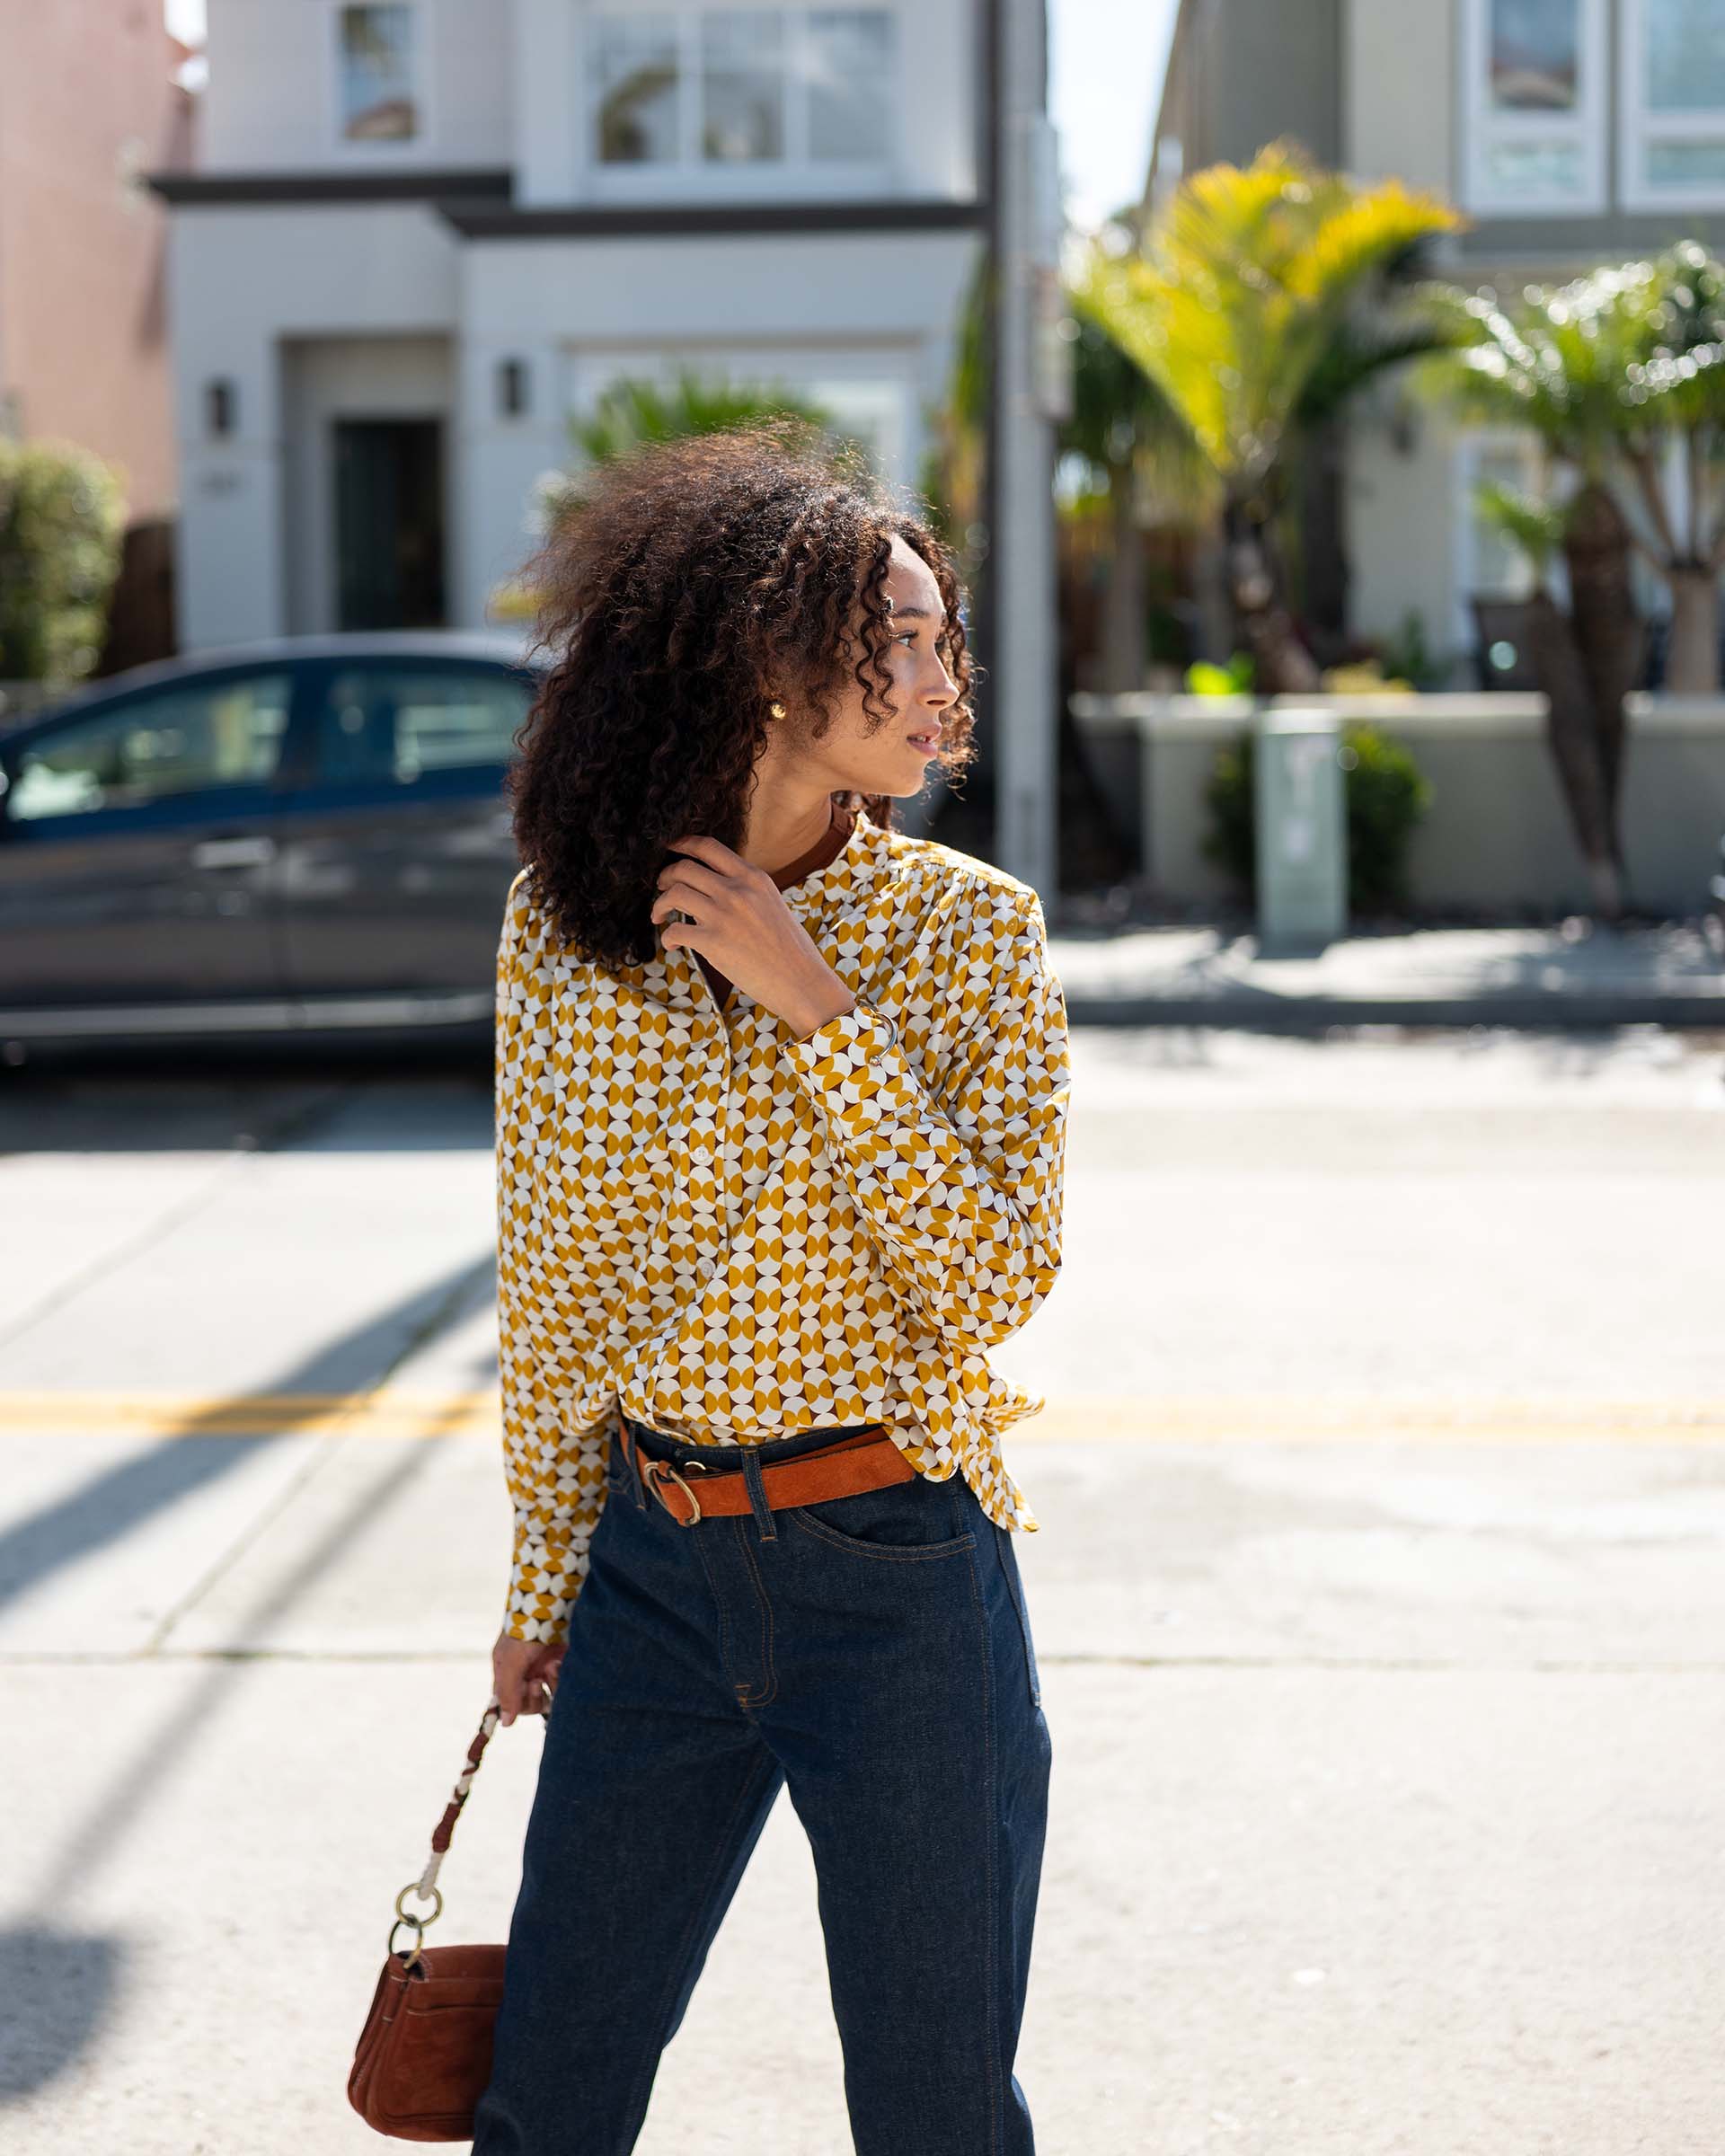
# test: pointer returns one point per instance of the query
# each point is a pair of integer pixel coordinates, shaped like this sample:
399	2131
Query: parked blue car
1716	915
304	837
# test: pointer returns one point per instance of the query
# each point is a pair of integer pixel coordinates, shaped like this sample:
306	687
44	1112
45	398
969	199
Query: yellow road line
401	1414
1352	1422
249	1415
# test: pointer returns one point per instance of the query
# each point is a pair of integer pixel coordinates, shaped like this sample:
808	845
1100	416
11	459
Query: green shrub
1385	795
62	519
1204	677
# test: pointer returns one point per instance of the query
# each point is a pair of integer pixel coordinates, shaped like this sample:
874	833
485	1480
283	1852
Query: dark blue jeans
874	1653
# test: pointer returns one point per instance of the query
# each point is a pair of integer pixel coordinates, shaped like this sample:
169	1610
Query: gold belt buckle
650	1467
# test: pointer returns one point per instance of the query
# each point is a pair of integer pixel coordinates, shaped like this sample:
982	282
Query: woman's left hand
738	919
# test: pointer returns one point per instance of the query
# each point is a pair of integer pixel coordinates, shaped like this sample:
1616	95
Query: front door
389	536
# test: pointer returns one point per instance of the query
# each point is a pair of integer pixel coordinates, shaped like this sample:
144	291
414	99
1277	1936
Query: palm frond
1248	280
632	412
1559	358
1535	527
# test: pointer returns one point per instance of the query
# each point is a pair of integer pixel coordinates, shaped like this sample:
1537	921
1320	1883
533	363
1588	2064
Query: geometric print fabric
733	1234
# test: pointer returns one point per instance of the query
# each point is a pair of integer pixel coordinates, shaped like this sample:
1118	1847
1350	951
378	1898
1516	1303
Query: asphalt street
1379	1601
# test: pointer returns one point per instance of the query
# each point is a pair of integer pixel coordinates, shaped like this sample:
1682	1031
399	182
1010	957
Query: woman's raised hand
738	918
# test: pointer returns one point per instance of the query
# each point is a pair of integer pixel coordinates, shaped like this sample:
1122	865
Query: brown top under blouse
817	857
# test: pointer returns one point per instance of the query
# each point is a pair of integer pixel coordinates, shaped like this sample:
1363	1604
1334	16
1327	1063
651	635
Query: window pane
742	111
1540	169
389	724
1500	569
184	740
1686	163
850	55
377	102
635	63
1686	60
1535	55
869	413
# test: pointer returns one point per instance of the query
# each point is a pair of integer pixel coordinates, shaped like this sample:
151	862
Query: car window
189	738
382	723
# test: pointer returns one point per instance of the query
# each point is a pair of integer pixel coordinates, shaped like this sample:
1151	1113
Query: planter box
1496	838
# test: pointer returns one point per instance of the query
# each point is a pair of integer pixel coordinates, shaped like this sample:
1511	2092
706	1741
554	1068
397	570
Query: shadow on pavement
59	1991
156	1101
110	1504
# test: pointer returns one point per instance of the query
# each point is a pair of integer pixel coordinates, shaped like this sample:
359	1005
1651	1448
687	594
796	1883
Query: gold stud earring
777	709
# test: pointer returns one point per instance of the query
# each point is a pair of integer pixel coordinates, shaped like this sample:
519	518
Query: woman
780	1106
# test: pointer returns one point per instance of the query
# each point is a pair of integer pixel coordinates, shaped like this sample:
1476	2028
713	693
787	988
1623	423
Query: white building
1571	133
425	232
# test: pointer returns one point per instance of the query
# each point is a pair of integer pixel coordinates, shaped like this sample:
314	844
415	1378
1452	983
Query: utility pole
1031	389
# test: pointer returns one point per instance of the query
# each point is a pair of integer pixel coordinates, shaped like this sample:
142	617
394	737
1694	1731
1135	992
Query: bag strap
426	1886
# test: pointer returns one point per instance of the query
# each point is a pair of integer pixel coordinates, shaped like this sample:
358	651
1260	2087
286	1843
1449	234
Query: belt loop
763	1511
631	1451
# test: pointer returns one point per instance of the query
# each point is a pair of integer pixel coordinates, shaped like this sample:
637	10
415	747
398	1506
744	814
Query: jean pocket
905	1523
1015	1588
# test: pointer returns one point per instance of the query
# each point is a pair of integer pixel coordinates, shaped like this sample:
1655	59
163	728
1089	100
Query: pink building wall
88	104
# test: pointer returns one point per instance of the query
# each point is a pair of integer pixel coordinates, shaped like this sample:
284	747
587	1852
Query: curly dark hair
682	588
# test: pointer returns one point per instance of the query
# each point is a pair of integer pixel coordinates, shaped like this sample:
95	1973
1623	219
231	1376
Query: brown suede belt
862	1461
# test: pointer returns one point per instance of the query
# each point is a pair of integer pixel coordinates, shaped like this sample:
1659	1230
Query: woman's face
892	756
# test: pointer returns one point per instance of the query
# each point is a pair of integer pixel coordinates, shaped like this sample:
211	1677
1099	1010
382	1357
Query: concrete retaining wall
1496	836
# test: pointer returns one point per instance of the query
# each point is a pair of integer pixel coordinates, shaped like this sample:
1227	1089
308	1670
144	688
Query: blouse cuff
844	1044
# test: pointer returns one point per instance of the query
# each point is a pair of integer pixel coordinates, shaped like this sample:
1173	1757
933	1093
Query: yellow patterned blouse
732	1234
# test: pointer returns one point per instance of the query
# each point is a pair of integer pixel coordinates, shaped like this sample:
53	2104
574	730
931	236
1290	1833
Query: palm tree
1581	750
1145	461
1582	365
1676	392
1260	289
631	413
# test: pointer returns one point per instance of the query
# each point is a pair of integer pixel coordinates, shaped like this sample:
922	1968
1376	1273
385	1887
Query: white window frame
1471	448
1639	128
796	173
414	146
884	380
1486	128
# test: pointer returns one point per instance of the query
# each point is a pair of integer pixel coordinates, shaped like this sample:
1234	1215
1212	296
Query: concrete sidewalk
1378	1601
1574	976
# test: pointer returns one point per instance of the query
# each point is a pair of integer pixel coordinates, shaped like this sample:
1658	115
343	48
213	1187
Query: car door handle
232	853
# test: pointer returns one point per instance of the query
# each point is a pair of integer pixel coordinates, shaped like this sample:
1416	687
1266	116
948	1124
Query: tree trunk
1692	661
1125	639
1322	596
1572	735
1610	636
1284	665
1216	631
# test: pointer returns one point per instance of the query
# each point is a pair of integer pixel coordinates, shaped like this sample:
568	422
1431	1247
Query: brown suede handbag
424	2056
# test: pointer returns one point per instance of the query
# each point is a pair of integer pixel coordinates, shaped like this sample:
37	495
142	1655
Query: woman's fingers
510	1661
694	877
524	1676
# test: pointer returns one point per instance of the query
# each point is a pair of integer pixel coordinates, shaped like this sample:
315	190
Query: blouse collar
815	894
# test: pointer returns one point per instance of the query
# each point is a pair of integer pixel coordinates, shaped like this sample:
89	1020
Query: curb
1266	1012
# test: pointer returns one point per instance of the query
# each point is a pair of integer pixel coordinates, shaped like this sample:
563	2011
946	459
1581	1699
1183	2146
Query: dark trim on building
482	221
1571	245
477	203
473	183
